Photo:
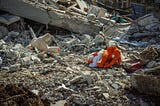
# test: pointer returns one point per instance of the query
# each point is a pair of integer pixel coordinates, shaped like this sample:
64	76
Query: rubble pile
145	31
50	67
73	82
18	95
15	56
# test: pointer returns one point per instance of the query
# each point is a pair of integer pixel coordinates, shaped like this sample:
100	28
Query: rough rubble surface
17	95
31	78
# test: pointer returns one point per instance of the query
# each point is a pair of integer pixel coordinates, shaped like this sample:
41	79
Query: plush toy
94	58
105	58
111	57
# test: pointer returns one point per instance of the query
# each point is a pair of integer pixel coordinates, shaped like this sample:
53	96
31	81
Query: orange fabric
110	57
103	59
114	61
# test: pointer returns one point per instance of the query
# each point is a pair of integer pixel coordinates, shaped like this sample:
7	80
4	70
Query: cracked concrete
47	15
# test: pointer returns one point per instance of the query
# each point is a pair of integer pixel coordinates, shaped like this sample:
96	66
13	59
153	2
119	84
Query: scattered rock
13	34
1	61
64	88
106	96
151	64
15	67
75	79
60	103
3	32
5	69
87	76
78	99
15	95
25	61
99	39
146	84
147	19
48	60
35	59
36	92
115	86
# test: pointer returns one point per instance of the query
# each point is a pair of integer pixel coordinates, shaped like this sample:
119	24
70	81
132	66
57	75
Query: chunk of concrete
46	14
3	32
8	19
147	19
41	44
146	84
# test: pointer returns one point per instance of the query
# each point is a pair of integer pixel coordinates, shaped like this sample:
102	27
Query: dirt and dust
17	95
30	78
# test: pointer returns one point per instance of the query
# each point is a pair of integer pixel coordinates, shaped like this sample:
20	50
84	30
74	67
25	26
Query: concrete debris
146	84
1	61
8	19
52	70
35	91
19	95
78	99
15	67
64	88
35	59
154	70
91	17
99	12
106	95
59	103
42	42
148	19
152	64
149	54
75	80
115	86
3	32
99	39
12	54
75	22
26	61
13	34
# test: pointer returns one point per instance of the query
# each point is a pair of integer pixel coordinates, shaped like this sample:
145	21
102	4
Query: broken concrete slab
146	84
8	19
147	19
45	14
42	42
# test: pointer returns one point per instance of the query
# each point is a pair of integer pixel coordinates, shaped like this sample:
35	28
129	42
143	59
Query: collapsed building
65	78
53	14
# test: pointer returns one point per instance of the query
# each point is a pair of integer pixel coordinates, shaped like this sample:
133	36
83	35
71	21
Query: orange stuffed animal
111	56
114	57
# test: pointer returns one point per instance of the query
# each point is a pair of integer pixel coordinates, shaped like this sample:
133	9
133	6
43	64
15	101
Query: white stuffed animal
96	58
